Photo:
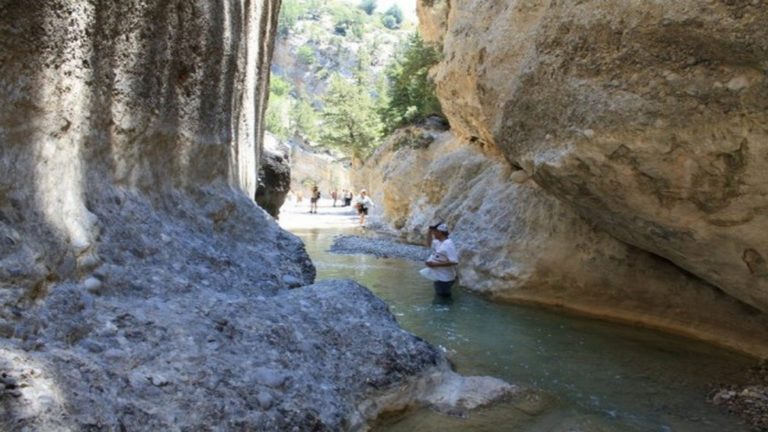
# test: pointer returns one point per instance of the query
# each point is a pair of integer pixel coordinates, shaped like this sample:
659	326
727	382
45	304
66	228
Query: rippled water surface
594	376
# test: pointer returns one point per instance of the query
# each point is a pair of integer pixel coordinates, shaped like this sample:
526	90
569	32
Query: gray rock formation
274	177
519	243
324	357
140	286
647	118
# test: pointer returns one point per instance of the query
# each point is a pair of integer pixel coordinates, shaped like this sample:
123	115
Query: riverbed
593	375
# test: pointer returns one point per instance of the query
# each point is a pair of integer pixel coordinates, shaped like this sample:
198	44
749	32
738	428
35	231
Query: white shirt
364	201
444	251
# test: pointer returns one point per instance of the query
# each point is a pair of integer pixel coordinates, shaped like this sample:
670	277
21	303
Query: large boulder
274	177
304	359
648	118
519	243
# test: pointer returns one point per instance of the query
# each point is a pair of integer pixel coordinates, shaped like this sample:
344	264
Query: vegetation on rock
350	123
393	17
340	68
411	92
369	6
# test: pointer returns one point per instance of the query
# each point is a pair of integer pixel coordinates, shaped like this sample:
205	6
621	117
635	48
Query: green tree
369	6
363	66
304	120
389	22
347	20
411	93
350	123
395	12
277	117
290	12
306	54
313	9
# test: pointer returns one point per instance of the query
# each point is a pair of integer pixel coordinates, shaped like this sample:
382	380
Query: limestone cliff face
149	96
311	167
647	118
517	242
140	287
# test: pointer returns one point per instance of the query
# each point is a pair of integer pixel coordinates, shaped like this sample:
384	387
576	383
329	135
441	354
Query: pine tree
350	123
411	92
395	12
369	6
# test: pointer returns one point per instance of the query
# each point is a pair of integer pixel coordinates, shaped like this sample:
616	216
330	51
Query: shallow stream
594	376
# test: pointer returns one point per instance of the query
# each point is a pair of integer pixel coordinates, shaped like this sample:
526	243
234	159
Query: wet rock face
517	242
274	178
647	118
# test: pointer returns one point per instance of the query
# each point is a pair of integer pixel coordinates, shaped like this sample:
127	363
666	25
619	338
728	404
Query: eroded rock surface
517	242
647	118
238	360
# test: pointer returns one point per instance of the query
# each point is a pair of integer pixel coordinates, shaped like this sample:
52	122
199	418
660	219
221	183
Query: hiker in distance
313	199
441	264
363	203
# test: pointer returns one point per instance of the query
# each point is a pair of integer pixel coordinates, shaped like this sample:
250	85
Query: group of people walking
362	202
345	197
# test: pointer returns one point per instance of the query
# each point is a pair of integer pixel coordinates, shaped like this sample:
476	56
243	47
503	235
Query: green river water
593	375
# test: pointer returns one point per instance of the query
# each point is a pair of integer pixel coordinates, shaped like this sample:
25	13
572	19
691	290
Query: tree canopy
395	12
350	123
338	90
369	6
411	93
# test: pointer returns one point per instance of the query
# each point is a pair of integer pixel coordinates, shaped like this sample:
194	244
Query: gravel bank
749	401
378	247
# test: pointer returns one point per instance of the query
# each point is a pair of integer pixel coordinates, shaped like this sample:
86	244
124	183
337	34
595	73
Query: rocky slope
646	118
519	243
140	287
320	41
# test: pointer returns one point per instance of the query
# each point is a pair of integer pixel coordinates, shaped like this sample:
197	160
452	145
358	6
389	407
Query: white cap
442	228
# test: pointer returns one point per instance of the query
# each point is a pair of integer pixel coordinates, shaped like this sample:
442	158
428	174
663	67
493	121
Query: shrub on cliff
347	20
350	123
389	22
306	54
277	116
369	6
396	13
411	94
290	12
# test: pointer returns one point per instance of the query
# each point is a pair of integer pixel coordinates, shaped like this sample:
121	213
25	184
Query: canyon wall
519	243
648	118
607	157
140	286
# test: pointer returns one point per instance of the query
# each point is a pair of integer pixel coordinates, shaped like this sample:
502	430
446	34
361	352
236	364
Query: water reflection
598	376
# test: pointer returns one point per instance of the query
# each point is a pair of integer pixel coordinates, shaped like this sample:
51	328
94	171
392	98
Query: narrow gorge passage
593	376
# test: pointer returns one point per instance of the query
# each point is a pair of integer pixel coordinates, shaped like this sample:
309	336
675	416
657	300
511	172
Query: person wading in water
363	203
443	260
